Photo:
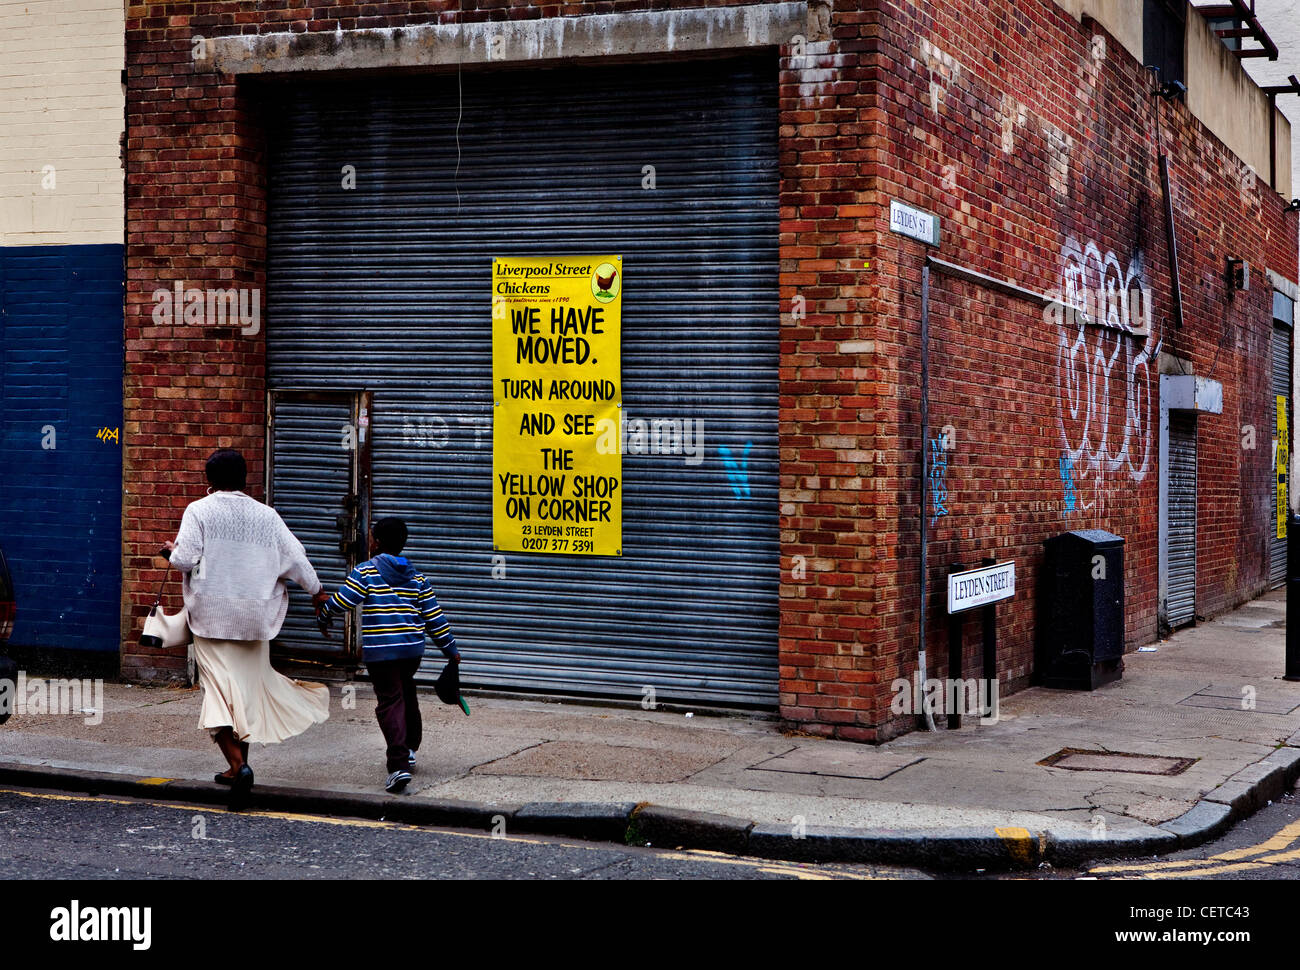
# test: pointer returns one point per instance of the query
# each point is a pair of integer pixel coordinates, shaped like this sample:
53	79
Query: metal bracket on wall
991	282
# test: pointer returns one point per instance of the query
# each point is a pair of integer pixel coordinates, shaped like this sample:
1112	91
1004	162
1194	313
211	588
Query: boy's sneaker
397	782
411	760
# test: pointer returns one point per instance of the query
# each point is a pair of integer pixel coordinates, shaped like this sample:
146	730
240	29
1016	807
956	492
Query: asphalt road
1265	846
53	835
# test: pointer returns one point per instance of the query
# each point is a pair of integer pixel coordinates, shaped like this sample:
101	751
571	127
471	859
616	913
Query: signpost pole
921	665
980	588
955	621
1292	669
990	646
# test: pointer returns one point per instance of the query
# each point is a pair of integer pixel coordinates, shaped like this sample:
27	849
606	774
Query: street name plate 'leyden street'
980	587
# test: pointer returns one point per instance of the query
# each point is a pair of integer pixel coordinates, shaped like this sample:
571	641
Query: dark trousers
398	710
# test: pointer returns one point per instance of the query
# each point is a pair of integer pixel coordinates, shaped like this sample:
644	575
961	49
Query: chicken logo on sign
605	282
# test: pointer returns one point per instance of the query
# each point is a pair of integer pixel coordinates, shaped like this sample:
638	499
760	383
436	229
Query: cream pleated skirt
241	689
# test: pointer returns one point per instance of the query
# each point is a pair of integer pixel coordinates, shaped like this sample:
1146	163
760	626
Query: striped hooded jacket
397	609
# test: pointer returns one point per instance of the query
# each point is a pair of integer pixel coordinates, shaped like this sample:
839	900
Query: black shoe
221	778
240	785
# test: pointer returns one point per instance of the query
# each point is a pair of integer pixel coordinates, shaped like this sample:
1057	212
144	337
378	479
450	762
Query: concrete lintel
1188	393
1284	285
633	34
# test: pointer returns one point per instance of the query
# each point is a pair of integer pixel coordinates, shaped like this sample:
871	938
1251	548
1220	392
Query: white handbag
161	630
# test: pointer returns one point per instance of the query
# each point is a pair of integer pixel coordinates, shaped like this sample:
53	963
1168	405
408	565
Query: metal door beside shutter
388	286
1281	386
316	480
1181	496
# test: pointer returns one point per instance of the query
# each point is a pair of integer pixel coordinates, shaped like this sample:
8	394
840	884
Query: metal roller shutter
1281	385
387	287
1182	518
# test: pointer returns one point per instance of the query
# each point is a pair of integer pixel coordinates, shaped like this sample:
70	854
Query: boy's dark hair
226	471
390	533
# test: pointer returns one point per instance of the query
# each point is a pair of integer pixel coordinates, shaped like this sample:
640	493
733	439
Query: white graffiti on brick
1104	376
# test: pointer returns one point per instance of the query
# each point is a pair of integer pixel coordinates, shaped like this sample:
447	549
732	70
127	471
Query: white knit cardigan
236	554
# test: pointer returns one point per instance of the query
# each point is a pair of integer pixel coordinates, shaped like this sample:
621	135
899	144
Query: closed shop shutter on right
1182	518
1281	387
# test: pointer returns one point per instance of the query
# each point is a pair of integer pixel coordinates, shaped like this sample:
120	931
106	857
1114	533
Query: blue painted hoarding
61	357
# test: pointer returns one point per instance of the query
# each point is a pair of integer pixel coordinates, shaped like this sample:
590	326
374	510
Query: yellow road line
806	876
1151	866
1206	871
1263	862
1279	841
1283	838
255	813
1292	856
71	798
776	867
688	855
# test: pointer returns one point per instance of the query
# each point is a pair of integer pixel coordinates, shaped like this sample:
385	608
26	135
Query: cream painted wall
1121	18
61	105
1226	99
1281	18
1219	92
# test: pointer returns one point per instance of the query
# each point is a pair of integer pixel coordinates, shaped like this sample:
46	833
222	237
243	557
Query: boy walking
398	608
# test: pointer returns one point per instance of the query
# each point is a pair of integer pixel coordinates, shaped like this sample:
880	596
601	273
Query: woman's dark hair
226	471
390	534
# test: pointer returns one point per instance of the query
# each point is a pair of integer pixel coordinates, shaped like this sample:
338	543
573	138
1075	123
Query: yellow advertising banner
557	471
1283	466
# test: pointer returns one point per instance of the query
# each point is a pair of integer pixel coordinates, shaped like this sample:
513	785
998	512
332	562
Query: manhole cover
1080	759
834	763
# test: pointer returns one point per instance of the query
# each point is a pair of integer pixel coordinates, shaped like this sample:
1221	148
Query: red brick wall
195	214
860	124
960	108
195	190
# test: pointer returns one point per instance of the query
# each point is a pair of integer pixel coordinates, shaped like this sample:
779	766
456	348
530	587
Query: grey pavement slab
867	764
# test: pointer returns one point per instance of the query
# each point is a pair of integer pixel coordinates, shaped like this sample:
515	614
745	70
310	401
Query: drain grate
1081	759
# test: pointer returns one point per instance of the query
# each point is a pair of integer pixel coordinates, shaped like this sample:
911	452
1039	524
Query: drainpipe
1272	141
921	666
1171	240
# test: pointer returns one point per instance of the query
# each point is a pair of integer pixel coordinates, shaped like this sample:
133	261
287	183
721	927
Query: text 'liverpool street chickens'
557	466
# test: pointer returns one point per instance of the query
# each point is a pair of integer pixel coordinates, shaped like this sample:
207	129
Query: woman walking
236	554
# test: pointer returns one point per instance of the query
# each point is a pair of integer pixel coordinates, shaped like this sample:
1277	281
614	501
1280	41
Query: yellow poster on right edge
1283	466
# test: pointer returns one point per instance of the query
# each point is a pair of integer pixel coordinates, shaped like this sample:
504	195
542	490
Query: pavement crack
510	754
